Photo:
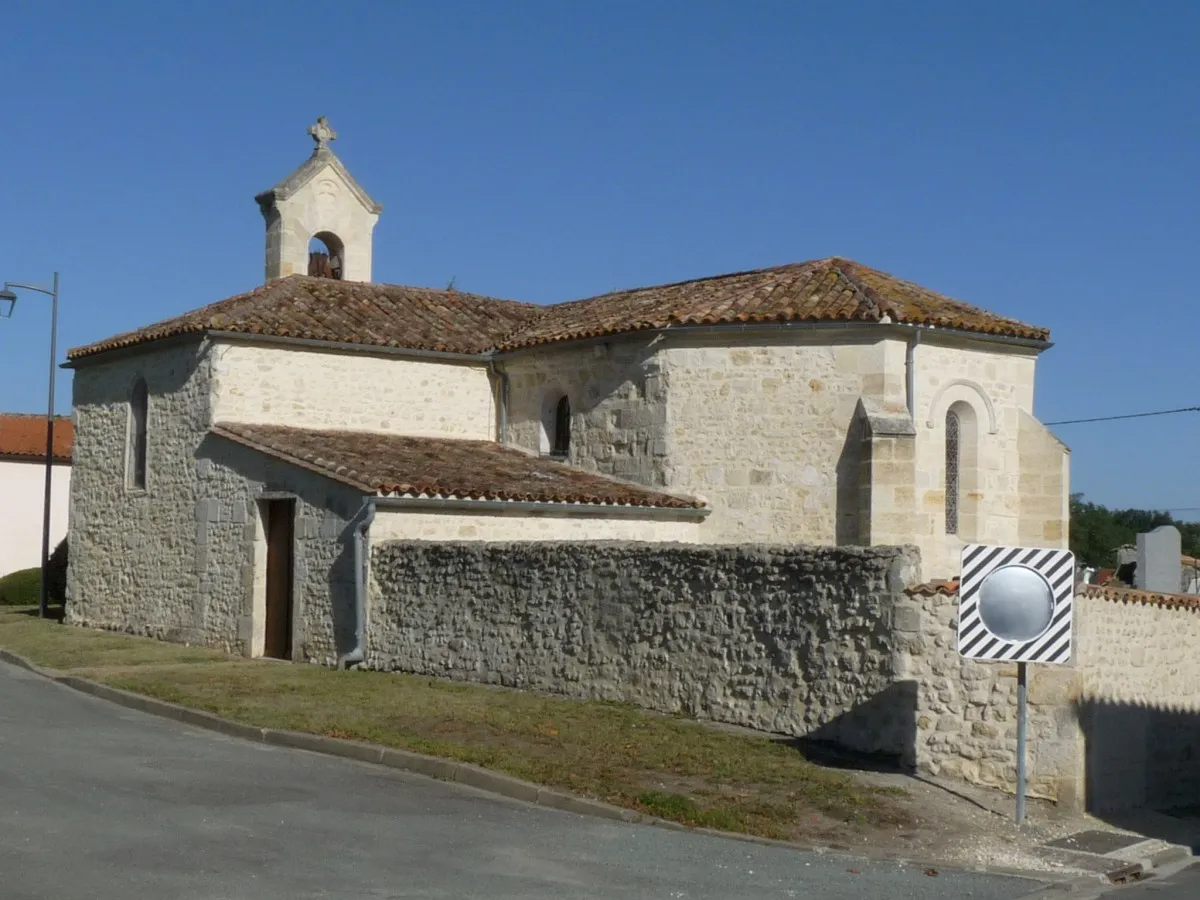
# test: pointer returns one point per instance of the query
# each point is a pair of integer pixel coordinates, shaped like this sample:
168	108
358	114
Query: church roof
404	465
825	290
380	315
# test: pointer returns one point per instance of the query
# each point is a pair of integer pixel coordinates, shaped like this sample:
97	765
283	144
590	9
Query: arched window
326	256
953	470
139	409
562	428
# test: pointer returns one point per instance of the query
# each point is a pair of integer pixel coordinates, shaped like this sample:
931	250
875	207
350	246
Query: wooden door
279	515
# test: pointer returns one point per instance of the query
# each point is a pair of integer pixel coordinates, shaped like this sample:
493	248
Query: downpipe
910	373
364	517
502	377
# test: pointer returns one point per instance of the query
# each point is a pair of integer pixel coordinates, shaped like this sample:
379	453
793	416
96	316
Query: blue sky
1038	159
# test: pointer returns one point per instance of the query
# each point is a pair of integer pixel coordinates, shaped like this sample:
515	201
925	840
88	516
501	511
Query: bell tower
319	219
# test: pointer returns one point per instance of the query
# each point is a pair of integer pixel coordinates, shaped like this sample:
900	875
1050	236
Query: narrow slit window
562	428
138	412
953	458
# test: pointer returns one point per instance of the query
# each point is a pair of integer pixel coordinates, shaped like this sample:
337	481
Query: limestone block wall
326	204
763	428
428	525
617	392
276	385
793	640
1045	485
966	725
990	388
1139	697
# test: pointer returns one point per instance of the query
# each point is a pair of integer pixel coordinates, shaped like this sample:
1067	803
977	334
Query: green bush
21	588
56	576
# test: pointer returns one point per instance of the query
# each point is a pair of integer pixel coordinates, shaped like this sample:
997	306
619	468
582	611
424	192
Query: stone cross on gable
322	133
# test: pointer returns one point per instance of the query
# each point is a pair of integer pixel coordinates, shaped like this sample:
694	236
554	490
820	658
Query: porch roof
407	465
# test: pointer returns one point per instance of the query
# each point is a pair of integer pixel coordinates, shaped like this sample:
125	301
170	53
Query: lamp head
8	300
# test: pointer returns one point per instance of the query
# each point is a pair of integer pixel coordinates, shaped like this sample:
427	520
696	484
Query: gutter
539	506
488	355
365	516
770	327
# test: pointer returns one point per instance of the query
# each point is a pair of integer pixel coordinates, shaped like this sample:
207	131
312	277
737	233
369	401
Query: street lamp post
8	301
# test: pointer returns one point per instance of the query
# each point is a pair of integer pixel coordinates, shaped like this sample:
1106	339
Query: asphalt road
101	802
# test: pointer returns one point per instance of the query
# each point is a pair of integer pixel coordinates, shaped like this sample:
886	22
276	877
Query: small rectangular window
138	413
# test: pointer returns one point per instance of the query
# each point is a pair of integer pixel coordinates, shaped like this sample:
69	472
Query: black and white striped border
975	641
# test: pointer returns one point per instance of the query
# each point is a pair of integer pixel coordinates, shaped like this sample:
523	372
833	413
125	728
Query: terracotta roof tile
1146	598
23	436
380	315
935	588
826	290
443	467
1094	591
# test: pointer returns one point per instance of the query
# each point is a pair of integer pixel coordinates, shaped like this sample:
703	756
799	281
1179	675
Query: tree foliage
1097	532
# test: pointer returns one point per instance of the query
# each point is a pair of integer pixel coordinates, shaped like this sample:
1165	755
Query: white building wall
22	487
426	525
277	385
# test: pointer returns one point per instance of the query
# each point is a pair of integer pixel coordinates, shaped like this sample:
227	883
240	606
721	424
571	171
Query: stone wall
133	552
967	711
274	385
325	202
990	388
1139	697
760	428
1044	486
617	392
179	560
1115	728
794	640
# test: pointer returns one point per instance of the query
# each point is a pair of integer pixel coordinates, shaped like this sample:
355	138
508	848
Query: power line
1164	412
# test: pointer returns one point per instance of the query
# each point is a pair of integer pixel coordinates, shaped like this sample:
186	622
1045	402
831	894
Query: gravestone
1158	560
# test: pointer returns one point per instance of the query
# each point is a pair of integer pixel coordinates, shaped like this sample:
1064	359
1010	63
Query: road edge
497	783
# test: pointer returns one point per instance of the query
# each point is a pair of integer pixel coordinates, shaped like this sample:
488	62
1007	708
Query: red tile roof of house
23	436
825	290
390	464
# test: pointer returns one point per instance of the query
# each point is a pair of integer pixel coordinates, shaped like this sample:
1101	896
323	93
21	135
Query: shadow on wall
890	715
853	492
341	593
1142	757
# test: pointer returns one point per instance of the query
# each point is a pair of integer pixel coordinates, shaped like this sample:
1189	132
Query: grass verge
665	766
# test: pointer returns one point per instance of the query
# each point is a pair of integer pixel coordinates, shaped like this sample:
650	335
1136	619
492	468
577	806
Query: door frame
267	503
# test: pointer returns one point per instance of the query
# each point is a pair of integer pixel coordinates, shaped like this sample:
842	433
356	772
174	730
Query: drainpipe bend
365	516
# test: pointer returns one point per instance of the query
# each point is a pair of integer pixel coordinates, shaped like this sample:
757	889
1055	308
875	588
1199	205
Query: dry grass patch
670	767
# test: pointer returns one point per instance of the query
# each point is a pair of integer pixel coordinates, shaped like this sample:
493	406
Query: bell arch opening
326	256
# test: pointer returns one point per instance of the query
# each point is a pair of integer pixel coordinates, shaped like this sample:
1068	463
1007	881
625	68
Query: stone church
233	465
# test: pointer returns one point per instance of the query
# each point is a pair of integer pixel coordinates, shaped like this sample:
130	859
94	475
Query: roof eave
551	507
